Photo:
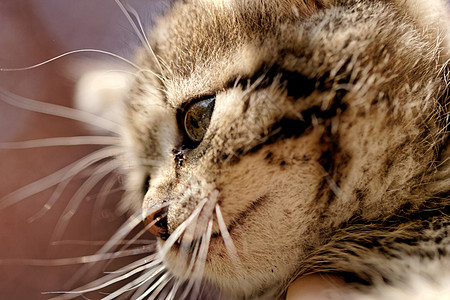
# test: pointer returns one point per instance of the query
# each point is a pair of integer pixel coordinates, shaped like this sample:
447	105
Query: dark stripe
296	84
242	216
289	128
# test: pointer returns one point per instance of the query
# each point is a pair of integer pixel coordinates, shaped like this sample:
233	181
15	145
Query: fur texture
327	149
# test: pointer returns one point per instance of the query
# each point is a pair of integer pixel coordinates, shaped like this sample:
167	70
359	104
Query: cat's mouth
219	232
188	241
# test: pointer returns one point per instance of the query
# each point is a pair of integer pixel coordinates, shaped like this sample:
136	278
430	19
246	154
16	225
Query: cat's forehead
206	47
214	77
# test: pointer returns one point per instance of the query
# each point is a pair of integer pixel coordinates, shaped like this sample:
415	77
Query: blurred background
32	31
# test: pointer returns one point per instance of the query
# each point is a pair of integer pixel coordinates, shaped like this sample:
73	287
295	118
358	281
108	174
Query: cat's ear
102	90
433	17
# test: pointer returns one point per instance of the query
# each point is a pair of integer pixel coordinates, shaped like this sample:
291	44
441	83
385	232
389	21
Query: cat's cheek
260	206
288	167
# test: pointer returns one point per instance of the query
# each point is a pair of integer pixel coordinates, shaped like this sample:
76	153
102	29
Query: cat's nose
156	222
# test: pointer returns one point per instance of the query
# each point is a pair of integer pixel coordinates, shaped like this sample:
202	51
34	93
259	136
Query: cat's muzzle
156	223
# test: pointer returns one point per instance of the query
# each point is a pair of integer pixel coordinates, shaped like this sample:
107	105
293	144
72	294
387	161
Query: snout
156	222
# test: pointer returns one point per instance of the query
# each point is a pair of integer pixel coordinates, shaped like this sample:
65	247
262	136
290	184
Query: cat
267	140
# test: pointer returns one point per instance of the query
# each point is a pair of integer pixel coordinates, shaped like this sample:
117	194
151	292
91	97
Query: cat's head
257	128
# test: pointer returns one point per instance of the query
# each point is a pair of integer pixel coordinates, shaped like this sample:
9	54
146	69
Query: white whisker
98	174
139	31
140	280
193	258
162	291
100	243
200	267
190	271
154	208
229	245
62	141
77	260
181	228
157	59
57	176
332	184
105	191
197	273
124	230
166	69
58	192
69	53
143	230
94	287
189	236
138	263
174	290
130	9
141	289
59	111
157	286
206	213
60	188
103	279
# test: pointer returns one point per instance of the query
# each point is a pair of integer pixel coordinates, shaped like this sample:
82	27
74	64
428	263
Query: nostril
156	222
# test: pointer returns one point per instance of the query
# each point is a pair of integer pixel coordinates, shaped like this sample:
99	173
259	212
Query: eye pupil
197	119
194	122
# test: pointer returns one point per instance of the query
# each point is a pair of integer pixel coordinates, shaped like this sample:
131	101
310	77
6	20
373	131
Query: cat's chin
181	259
223	269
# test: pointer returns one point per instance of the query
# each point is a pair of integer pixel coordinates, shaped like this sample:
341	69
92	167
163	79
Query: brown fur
326	144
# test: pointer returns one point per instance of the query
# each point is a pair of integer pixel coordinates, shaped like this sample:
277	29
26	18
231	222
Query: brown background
32	31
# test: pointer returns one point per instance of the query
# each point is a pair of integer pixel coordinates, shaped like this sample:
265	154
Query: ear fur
431	16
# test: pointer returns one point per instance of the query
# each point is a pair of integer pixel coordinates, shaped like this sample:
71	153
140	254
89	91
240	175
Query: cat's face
275	125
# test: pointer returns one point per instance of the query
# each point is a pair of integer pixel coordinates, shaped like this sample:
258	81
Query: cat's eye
197	118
